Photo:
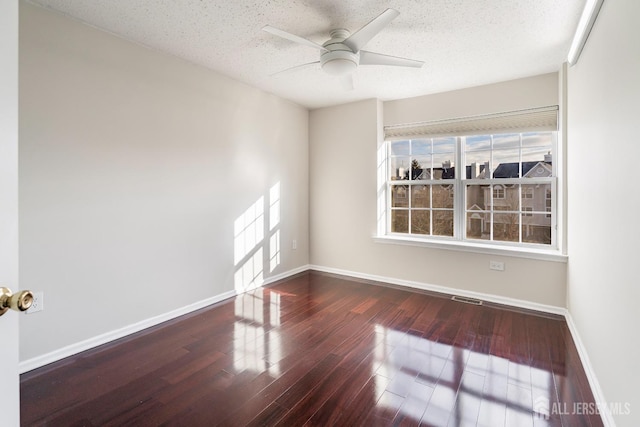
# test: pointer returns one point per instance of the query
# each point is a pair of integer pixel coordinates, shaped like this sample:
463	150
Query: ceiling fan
342	53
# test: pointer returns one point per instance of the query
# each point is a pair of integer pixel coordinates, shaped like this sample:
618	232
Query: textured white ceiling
463	42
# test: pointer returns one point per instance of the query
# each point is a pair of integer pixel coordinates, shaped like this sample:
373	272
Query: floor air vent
466	300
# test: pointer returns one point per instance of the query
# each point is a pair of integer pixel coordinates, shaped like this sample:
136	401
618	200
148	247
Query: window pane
537	139
536	229
400	148
444	145
442	196
420	147
479	142
506	163
506	197
477	225
478	197
528	192
399	167
420	167
548	202
400	196
534	196
399	221
443	223
506	141
443	166
420	196
536	162
536	154
420	222
477	164
498	192
506	227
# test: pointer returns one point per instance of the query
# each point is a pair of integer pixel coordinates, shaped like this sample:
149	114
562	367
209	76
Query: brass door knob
18	302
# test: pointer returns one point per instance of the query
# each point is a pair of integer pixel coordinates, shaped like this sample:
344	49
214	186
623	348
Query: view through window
504	193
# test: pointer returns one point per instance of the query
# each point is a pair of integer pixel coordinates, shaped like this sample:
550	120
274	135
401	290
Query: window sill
487	249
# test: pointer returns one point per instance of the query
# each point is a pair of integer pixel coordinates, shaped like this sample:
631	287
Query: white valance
530	120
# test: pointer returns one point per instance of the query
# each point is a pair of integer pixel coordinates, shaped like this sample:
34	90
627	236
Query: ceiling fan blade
292	37
361	37
294	68
372	58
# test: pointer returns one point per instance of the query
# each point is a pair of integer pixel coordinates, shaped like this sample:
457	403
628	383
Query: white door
9	386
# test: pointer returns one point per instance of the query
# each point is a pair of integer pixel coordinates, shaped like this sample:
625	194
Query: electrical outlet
37	304
496	265
294	244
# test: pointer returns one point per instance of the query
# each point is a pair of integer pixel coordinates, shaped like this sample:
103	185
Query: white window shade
531	120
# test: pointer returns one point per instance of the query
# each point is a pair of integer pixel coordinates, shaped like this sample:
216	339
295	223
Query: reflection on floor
318	349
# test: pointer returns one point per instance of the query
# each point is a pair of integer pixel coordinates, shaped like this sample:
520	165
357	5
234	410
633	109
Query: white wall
536	91
603	158
134	166
343	144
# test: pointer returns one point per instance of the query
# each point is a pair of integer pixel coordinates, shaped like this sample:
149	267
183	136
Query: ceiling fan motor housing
339	59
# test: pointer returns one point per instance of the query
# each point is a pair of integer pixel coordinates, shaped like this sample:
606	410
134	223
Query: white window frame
459	241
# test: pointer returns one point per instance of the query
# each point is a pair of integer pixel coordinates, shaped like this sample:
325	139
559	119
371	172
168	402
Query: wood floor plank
321	349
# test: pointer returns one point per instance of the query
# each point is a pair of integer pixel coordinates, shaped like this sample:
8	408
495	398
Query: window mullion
520	208
491	208
459	203
490	171
520	227
520	156
410	189
431	169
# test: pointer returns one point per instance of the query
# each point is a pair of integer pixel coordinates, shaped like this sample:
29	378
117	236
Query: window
503	194
527	193
422	170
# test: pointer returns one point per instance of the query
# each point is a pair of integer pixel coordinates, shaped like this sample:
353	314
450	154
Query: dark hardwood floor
322	350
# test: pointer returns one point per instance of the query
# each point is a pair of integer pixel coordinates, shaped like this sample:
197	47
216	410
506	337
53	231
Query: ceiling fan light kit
342	53
339	63
338	59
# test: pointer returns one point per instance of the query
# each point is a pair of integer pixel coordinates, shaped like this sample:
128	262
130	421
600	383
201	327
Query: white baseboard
272	279
446	290
70	350
598	395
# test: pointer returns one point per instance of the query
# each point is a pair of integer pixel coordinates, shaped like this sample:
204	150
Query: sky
507	148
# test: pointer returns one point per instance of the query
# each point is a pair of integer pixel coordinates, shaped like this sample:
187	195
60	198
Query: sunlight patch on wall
248	254
248	230
274	251
253	254
274	206
250	274
274	222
